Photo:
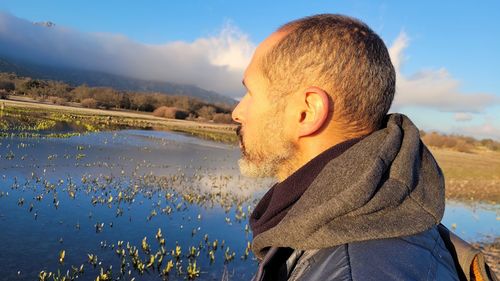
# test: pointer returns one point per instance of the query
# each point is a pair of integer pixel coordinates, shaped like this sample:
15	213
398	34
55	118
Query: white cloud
215	62
485	130
433	88
231	48
463	116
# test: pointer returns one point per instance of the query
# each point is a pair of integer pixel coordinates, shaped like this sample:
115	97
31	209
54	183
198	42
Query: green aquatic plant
168	268
173	195
193	271
145	246
62	255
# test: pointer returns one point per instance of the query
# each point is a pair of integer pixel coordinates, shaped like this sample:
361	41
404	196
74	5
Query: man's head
314	82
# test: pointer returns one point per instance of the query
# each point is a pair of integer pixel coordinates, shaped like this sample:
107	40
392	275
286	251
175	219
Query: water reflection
100	197
473	221
82	195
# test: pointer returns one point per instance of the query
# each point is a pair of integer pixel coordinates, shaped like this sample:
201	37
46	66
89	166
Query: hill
77	77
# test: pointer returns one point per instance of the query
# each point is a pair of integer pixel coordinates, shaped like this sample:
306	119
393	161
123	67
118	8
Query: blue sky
460	39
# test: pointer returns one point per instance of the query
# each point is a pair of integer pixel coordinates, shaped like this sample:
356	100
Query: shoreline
470	178
212	131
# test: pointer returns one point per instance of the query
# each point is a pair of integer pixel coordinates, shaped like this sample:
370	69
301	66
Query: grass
28	118
470	176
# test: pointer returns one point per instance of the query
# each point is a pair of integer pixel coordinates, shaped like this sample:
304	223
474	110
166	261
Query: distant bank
128	118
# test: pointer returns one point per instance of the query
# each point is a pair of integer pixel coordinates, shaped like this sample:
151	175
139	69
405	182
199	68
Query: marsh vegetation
86	195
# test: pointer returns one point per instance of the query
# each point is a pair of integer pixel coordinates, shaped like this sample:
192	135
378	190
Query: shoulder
421	256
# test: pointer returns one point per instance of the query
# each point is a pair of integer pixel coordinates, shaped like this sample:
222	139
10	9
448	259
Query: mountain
77	77
45	23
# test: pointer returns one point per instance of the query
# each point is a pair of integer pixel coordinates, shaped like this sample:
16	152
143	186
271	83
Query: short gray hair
341	55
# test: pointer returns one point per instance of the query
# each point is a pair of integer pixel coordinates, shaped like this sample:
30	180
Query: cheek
261	131
257	121
253	133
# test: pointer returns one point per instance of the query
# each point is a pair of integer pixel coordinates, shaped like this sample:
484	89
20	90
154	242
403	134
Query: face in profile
265	144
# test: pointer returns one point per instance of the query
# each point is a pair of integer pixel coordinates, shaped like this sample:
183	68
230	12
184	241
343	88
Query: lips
239	132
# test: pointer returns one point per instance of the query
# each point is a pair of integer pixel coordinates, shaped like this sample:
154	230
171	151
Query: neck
307	149
290	166
310	146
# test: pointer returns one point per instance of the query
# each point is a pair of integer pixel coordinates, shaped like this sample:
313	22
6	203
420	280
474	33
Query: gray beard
270	164
253	170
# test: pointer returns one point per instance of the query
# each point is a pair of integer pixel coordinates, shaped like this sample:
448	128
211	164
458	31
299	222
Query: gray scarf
387	185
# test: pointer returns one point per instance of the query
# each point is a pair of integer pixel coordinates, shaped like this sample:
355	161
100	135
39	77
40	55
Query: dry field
470	176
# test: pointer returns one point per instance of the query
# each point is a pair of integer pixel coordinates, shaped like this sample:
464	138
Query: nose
237	113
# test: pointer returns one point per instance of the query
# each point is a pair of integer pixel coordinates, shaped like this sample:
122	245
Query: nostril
235	117
239	111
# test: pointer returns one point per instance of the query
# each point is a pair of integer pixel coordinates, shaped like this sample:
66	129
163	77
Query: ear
315	108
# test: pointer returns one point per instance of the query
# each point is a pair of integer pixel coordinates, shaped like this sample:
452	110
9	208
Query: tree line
458	142
161	104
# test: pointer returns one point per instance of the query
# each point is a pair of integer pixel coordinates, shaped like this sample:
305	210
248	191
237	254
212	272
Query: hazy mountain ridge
76	77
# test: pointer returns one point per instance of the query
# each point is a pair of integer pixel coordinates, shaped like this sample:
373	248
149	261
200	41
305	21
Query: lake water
84	194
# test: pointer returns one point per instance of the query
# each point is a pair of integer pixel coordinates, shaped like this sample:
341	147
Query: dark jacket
422	256
369	214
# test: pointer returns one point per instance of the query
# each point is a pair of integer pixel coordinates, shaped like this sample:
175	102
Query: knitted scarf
385	185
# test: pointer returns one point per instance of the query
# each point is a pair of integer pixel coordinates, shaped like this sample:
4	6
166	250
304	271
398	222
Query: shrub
57	100
449	142
89	103
206	112
491	144
170	112
434	139
464	146
456	142
7	86
469	140
223	118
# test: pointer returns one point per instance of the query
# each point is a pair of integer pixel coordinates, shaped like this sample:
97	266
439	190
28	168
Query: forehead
264	47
